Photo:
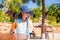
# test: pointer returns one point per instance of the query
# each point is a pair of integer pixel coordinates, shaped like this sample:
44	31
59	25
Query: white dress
23	28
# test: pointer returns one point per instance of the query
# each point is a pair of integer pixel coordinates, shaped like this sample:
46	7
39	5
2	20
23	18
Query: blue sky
1	1
30	4
49	2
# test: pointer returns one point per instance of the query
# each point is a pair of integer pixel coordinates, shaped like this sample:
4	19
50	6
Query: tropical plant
4	18
13	5
53	14
37	11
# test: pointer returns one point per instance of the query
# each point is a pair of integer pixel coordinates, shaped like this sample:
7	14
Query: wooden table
8	36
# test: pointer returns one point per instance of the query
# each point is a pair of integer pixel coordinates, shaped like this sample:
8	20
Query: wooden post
43	20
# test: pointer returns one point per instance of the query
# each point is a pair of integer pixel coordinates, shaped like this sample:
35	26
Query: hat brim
29	12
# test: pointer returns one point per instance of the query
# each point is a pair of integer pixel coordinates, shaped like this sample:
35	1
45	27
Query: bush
51	19
4	18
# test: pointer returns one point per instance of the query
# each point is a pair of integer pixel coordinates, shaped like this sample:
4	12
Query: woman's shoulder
17	20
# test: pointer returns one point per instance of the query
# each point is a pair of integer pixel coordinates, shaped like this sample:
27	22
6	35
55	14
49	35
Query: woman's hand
14	25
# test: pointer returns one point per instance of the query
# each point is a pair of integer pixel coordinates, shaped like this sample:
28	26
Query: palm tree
6	6
9	3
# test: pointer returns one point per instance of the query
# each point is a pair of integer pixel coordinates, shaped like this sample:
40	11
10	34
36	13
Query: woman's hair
20	15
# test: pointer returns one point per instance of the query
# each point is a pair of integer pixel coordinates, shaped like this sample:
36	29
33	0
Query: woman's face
25	14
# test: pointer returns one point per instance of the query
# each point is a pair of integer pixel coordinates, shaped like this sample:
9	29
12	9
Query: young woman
23	24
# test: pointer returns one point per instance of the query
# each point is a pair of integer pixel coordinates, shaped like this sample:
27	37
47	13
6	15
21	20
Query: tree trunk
43	20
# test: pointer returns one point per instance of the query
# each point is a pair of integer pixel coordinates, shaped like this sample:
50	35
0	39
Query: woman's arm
14	25
30	26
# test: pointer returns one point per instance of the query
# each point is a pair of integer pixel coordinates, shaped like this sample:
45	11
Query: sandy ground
52	35
55	35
